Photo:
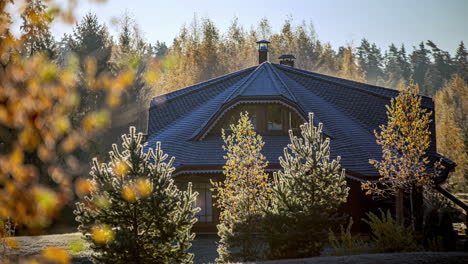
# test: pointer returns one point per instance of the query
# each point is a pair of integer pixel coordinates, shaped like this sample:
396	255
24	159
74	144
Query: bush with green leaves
305	197
390	236
134	212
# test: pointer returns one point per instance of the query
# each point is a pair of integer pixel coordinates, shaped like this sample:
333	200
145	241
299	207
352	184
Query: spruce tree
244	194
328	63
130	51
394	71
305	196
439	71
461	61
136	214
91	43
420	62
210	52
371	60
306	47
91	40
36	30
404	64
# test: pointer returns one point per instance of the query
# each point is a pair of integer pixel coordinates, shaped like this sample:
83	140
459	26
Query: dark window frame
261	113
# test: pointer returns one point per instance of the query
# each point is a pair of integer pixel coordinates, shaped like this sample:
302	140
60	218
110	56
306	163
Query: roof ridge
198	86
243	84
275	85
283	83
334	80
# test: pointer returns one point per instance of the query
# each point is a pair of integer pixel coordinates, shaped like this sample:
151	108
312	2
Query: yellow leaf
121	168
84	186
128	193
144	187
77	246
102	234
58	255
12	243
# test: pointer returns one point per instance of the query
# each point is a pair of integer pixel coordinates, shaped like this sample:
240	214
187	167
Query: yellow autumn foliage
102	234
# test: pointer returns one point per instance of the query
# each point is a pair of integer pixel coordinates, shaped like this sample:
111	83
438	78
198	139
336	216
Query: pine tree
238	51
131	50
244	194
159	49
136	214
393	68
307	47
264	30
439	71
305	196
287	43
420	62
404	64
328	63
404	141
210	65
91	40
451	116
370	59
36	30
461	61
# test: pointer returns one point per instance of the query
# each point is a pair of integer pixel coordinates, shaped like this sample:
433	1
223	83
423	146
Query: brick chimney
262	51
287	59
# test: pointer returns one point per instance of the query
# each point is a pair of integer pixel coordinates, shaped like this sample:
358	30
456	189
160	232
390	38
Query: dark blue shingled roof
350	112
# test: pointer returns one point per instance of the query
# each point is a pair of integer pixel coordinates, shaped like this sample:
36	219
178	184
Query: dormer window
267	118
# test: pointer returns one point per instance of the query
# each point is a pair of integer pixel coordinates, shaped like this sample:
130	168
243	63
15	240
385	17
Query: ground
204	247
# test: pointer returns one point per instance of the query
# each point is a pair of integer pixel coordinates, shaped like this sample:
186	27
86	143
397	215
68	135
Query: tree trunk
412	208
399	206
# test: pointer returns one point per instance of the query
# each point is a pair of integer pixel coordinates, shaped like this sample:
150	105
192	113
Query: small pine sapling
305	196
135	213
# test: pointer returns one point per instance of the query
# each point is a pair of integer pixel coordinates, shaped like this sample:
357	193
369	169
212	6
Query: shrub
135	213
390	236
346	243
295	234
439	215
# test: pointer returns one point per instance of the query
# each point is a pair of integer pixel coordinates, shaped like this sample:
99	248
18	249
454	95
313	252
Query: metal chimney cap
287	56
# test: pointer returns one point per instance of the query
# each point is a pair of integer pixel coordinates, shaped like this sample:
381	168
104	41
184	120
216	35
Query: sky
339	22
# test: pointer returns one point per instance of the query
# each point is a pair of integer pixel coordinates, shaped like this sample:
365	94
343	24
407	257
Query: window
267	118
294	121
274	117
233	116
204	201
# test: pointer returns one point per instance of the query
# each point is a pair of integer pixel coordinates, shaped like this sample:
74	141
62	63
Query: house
278	97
